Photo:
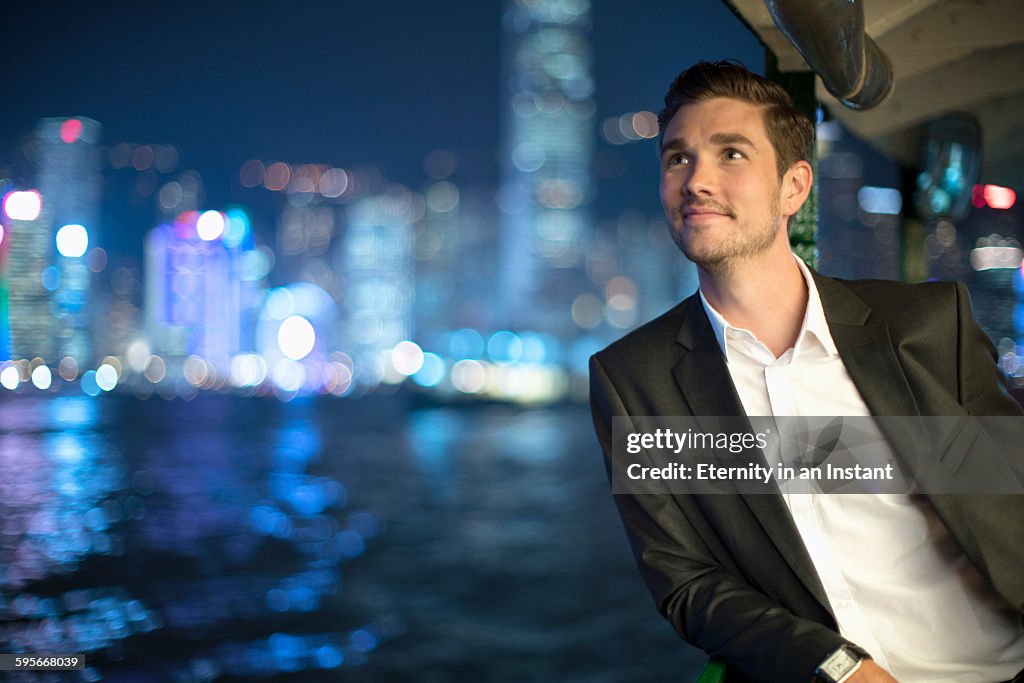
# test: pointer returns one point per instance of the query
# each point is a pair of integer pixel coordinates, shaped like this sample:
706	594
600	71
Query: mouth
702	215
702	212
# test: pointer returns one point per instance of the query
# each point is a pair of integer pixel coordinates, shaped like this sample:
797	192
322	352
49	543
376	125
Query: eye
677	160
734	154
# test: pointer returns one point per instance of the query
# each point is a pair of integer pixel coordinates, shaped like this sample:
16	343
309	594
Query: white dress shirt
898	584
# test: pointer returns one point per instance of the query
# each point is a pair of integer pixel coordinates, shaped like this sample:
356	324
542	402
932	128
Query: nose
699	180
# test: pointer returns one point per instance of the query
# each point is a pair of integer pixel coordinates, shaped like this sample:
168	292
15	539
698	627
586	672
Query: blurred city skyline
345	195
344	84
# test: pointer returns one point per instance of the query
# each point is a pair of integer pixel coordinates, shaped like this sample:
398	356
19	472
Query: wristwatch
841	664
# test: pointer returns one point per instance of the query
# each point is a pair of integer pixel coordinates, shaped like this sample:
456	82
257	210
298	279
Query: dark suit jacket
730	572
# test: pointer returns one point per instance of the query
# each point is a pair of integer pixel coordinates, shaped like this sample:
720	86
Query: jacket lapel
866	350
870	358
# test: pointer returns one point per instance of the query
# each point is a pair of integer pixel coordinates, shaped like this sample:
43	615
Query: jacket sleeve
710	606
996	519
982	385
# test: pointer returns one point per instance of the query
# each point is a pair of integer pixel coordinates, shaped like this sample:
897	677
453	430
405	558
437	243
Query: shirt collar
814	326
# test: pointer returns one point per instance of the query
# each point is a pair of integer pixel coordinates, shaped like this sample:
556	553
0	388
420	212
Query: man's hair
789	130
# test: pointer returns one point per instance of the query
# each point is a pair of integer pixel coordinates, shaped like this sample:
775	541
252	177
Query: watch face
840	663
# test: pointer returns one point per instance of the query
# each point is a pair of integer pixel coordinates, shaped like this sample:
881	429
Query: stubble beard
722	256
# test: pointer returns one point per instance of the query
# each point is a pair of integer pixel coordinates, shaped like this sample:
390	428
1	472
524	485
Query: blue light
96	519
51	278
1018	317
363	640
286	651
466	343
1018	282
89	385
307	500
302	598
432	371
284	645
277	599
540	348
72	411
237	228
350	544
328	657
505	347
67	447
271	521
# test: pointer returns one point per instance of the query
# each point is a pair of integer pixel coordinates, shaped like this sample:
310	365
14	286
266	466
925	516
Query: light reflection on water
199	532
238	539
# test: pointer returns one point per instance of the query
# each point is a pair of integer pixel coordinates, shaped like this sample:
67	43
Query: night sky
341	83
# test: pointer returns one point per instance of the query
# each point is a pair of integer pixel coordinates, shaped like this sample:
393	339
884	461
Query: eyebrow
731	139
677	144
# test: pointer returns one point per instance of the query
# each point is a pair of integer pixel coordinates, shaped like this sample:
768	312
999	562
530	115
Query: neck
765	294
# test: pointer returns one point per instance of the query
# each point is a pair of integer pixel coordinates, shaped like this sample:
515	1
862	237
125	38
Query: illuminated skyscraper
376	260
201	288
456	261
24	257
438	247
70	182
547	178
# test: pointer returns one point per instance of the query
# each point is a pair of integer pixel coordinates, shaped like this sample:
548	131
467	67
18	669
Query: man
862	588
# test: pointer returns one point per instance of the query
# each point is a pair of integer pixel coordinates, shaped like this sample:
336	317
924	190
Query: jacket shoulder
891	293
909	305
662	329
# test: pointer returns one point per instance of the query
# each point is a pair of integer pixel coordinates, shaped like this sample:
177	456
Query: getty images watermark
841	455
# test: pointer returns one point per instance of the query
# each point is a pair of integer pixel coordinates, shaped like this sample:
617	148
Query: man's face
719	183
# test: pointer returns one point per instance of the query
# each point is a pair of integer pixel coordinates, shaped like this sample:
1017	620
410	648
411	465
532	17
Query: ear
796	186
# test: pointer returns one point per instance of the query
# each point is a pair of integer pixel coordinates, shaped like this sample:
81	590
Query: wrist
841	664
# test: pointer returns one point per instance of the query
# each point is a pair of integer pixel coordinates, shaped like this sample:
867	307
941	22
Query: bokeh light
251	174
156	369
41	377
277	176
68	368
999	197
23	205
469	376
210	225
288	375
407	358
431	372
106	377
237	227
88	383
296	337
466	343
587	311
70	130
10	378
505	347
72	240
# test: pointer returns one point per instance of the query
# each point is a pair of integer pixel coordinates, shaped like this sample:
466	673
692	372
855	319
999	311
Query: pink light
70	130
999	197
978	197
185	225
23	205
